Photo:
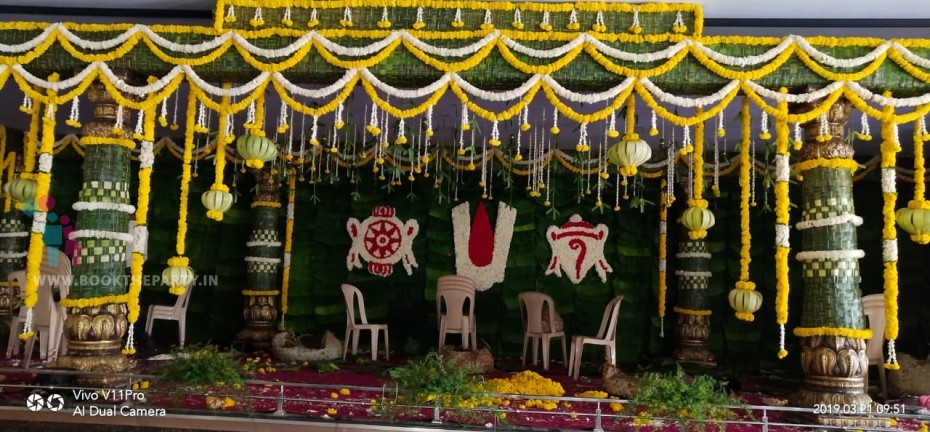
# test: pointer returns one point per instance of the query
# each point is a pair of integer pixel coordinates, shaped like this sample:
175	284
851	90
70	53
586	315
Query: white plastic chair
354	329
533	306
874	307
48	317
458	295
176	312
606	336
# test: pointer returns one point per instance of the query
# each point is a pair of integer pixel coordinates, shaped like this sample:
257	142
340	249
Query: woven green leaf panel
831	285
693	264
100	266
13	237
264	250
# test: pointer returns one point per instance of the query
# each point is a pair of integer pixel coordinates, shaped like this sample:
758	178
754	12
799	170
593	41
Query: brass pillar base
693	334
833	368
260	313
95	340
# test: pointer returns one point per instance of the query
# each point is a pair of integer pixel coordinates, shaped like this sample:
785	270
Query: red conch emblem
382	240
576	247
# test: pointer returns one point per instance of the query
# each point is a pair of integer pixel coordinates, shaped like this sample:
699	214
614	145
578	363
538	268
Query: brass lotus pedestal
95	338
693	335
260	313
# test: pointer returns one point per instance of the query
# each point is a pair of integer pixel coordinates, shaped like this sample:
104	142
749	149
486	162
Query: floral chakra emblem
576	247
382	240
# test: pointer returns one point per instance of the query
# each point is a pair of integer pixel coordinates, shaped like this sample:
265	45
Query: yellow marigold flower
344	392
923	427
574	415
616	406
334	395
331	411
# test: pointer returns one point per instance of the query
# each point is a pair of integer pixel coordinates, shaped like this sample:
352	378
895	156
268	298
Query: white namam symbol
576	247
382	240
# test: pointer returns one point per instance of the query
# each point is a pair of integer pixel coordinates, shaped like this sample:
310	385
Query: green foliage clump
433	375
697	402
202	366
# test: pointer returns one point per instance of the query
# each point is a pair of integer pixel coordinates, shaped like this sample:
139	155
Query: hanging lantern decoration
629	154
256	150
745	302
631	151
21	189
178	276
916	221
698	220
217	202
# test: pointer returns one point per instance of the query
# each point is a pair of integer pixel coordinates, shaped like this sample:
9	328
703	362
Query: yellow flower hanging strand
43	184
288	242
915	218
179	275
782	244
663	254
890	147
140	236
218	199
697	218
744	299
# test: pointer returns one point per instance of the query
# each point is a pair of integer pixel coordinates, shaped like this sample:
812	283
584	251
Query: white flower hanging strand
487	24
340	110
599	24
26	107
525	124
385	21
518	157
313	132
282	118
612	125
73	118
314	19
118	127
686	147
163	115
582	145
865	134
419	24
287	17
679	25
174	114
346	20
721	132
573	20
555	122
401	137
544	25
250	116
517	19
922	124
372	127
764	126
636	28
495	140
457	21
140	120
230	14
654	124
429	121
201	119
824	129
257	20
465	125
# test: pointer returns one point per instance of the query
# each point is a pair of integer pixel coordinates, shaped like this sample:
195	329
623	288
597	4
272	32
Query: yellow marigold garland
920	171
288	240
663	255
782	206
695	312
36	241
698	166
98	140
260	293
810	164
271	204
889	148
94	301
142	209
745	165
180	245
833	331
31	142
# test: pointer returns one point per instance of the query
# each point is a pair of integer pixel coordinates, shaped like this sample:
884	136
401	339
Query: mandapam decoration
576	247
382	239
481	253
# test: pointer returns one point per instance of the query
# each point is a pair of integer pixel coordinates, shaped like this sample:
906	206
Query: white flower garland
94	205
689	102
829	221
262	243
287	259
140	238
262	260
147	157
38	222
890	250
15	234
830	255
487	276
686	273
782	235
45	162
693	255
110	235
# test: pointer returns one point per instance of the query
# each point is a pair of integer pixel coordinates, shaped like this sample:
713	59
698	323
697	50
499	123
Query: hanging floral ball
256	150
217	202
178	276
745	302
629	154
698	221
21	189
916	221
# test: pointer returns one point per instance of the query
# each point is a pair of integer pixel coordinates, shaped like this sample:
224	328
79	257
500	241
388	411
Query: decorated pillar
693	260
96	304
13	235
260	308
832	330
